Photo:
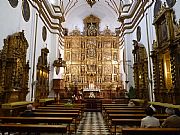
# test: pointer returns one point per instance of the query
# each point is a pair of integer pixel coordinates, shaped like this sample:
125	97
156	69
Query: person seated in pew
173	121
131	103
28	112
170	111
149	121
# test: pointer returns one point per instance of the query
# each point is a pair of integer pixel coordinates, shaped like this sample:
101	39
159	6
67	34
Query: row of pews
125	120
48	119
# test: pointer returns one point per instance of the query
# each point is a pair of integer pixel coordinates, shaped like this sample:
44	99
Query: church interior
88	67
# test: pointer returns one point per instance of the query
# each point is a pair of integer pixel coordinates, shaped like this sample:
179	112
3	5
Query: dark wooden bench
120	108
51	110
112	106
80	106
63	105
115	104
150	131
65	109
106	113
59	108
37	120
125	122
36	128
125	111
61	111
53	114
135	116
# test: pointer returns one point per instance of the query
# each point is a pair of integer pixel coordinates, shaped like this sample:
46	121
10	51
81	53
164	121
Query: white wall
10	19
129	59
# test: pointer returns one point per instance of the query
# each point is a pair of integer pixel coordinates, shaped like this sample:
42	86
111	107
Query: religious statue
91	95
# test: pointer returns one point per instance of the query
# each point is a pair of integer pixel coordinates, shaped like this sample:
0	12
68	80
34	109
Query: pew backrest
37	128
36	120
150	131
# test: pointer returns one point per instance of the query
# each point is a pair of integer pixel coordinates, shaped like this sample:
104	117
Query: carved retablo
14	69
92	58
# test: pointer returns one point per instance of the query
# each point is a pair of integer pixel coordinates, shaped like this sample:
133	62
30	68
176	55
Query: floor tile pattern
92	124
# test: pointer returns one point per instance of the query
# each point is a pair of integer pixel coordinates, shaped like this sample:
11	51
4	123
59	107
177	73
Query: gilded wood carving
42	86
14	69
140	71
92	59
165	56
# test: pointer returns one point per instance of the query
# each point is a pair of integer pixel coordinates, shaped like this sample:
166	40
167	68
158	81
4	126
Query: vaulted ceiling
109	11
124	15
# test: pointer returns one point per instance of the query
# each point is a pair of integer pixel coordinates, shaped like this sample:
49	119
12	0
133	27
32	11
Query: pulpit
58	87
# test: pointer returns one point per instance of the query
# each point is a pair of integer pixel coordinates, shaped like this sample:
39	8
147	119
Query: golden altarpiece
140	71
14	69
42	75
92	59
166	57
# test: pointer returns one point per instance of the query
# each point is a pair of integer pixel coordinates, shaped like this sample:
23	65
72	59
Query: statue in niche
100	70
82	56
67	70
115	70
91	51
115	56
92	30
115	78
83	70
91	68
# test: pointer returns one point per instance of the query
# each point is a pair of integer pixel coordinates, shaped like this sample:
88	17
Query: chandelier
91	2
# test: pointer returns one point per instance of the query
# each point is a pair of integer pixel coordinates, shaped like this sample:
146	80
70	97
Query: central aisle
92	124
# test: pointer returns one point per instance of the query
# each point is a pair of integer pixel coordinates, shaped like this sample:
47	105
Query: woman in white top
150	121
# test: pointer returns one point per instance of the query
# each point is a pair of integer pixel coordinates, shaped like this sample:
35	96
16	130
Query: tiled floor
92	124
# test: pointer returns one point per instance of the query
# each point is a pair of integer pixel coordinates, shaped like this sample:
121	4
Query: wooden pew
63	108
63	105
126	122
125	111
61	111
115	104
58	111
150	131
135	116
119	108
32	128
37	120
60	108
53	114
81	106
132	116
107	112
